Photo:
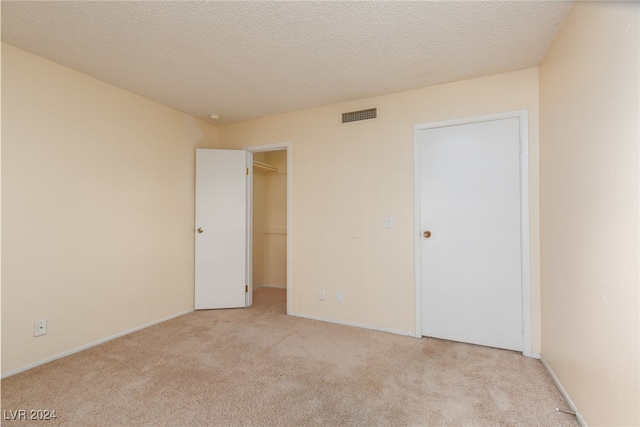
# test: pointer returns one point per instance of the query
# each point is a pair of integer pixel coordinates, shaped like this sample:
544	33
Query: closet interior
269	249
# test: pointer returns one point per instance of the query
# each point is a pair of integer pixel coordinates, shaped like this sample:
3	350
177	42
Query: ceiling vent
356	116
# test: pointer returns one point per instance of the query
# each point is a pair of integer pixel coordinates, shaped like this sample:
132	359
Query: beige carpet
259	367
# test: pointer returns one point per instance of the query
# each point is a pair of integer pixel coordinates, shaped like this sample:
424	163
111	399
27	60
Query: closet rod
265	167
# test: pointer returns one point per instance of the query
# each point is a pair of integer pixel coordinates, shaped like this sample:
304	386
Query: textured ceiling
245	60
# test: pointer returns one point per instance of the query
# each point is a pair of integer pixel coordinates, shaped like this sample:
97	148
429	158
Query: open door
220	228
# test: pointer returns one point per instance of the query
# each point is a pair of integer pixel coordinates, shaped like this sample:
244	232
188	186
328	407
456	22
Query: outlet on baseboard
323	295
40	328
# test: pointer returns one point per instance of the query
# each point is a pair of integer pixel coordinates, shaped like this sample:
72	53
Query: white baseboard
357	325
269	286
93	344
563	392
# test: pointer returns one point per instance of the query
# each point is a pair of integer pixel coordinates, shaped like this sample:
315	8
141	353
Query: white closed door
470	250
220	235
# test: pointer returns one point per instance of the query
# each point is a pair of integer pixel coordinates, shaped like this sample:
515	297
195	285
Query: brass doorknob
200	230
427	234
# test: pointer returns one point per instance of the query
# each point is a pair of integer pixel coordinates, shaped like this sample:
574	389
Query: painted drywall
97	212
275	231
347	178
589	139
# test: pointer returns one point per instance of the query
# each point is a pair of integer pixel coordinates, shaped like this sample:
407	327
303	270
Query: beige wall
348	178
589	110
98	208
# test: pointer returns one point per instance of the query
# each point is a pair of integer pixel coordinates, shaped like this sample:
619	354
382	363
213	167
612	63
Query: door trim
278	146
523	115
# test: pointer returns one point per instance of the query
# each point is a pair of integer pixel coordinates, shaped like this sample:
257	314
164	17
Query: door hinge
246	289
247	171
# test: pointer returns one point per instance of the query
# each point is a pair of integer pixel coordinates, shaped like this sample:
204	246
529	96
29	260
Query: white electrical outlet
388	222
339	296
323	295
40	328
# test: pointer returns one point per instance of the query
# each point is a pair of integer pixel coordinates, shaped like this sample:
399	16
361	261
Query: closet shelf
265	167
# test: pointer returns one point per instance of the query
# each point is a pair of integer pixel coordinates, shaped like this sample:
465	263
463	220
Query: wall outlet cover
40	328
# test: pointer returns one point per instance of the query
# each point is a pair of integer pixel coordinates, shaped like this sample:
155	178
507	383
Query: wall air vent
356	116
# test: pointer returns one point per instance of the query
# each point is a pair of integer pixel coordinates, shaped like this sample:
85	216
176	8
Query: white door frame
523	115
278	146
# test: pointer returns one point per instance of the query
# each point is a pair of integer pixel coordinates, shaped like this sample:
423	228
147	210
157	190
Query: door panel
220	247
470	202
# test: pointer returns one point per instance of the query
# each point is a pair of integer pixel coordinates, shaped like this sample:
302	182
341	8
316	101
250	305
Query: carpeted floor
259	367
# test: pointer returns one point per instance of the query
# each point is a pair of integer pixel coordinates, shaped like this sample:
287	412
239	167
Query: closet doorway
269	219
